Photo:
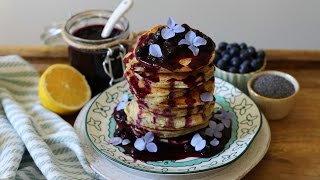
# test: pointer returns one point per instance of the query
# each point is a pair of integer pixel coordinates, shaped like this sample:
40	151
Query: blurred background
273	24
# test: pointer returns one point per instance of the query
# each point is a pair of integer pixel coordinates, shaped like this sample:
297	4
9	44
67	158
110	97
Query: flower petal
196	139
215	142
171	23
152	147
140	144
206	97
212	124
178	29
148	137
208	132
198	41
190	36
219	116
125	97
200	145
125	142
194	50
115	140
155	50
217	134
219	127
226	122
167	33
184	41
121	106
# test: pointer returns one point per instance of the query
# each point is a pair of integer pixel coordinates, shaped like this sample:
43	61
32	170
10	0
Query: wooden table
294	152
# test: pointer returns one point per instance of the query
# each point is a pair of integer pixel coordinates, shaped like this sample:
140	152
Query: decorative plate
247	122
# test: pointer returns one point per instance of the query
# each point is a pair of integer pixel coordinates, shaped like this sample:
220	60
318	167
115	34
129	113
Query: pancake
131	61
172	111
146	119
167	87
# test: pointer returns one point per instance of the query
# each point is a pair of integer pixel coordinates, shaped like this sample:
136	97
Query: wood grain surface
294	152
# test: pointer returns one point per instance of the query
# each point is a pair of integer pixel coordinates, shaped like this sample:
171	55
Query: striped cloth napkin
34	142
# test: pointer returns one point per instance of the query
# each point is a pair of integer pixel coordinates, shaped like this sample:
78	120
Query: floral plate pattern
100	126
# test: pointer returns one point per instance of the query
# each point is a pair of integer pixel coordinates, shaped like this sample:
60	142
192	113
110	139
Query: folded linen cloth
34	142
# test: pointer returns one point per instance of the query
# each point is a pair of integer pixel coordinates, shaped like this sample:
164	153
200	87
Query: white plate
100	126
236	170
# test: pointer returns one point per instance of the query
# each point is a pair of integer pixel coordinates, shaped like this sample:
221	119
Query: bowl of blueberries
237	63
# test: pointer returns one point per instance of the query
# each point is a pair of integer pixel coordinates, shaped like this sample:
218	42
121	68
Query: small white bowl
274	108
237	79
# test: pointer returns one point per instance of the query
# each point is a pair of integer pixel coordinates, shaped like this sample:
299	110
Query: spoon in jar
122	8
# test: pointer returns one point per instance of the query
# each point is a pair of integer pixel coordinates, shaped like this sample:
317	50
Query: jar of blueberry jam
98	59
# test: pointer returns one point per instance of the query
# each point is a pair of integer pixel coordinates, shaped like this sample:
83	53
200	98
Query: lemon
63	89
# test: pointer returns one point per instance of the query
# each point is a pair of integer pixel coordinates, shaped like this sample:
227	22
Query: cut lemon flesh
63	89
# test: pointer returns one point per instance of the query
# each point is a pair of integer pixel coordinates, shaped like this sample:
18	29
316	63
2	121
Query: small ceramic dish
237	79
274	108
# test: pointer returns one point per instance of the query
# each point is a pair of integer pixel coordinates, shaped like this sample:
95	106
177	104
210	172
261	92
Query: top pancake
175	57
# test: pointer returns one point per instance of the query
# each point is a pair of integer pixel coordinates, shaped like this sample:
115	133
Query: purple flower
225	117
118	140
155	50
172	29
206	97
214	142
198	142
145	142
193	41
214	129
122	104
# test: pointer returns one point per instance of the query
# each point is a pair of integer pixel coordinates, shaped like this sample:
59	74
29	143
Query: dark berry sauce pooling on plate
172	52
173	149
89	62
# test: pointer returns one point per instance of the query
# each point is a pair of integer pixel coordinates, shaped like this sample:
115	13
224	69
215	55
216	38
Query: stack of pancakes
167	100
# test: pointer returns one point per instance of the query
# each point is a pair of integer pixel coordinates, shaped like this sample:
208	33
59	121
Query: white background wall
286	24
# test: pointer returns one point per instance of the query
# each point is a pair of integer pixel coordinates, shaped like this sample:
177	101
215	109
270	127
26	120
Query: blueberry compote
172	52
89	62
172	149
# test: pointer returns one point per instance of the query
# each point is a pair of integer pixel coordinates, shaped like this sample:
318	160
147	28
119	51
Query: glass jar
98	59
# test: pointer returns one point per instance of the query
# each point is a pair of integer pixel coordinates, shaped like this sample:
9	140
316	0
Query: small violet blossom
122	104
145	142
198	142
214	142
155	50
172	29
206	97
225	117
193	41
214	129
118	140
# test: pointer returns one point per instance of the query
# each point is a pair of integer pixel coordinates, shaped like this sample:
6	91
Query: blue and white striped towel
34	142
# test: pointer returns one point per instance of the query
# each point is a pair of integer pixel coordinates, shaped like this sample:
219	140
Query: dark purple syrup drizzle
172	52
175	150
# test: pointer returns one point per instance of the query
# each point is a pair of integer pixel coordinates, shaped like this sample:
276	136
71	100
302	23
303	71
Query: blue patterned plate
100	127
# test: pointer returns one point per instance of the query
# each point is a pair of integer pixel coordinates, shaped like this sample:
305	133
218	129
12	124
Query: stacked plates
249	141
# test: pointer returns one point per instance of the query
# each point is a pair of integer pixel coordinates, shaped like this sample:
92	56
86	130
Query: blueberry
234	51
222	64
245	67
243	45
224	53
244	55
229	46
226	57
222	46
255	64
235	62
260	54
233	69
252	51
236	45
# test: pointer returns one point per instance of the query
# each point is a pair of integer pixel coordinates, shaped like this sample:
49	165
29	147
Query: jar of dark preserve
98	59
